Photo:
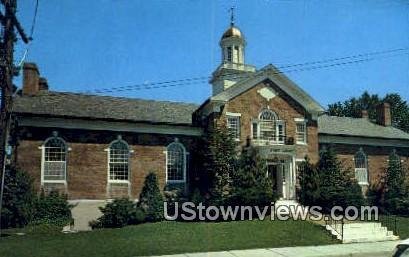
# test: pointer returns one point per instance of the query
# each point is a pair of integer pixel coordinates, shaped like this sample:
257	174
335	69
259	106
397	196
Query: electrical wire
313	65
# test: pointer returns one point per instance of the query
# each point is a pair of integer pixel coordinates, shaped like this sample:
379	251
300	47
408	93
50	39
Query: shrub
308	192
119	213
52	208
251	184
337	187
17	208
396	197
151	200
219	160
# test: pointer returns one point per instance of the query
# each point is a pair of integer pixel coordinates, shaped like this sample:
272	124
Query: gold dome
232	32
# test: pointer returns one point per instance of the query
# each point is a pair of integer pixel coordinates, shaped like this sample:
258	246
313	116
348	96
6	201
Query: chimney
43	84
364	114
383	112
31	79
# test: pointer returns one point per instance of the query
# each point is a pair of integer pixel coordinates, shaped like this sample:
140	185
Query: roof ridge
50	93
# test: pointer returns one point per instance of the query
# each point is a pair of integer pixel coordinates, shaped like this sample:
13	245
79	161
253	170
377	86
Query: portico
280	161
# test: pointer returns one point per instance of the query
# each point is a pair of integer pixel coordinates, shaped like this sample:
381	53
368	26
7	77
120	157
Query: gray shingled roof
334	125
105	107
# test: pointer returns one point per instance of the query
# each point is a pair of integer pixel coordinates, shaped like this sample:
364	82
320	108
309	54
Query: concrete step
362	232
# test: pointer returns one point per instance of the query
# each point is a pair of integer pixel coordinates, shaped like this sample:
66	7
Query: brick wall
87	161
251	103
377	157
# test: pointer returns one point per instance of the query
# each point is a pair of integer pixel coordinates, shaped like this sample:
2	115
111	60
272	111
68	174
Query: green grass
167	238
403	227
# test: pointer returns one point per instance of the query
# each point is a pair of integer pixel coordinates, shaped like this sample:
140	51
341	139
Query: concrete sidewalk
377	249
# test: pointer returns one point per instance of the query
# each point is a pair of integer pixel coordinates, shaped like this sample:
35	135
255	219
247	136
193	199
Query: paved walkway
378	249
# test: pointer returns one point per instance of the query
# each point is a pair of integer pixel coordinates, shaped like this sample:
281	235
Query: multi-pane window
301	132
175	163
118	161
54	160
229	54
361	167
268	128
233	125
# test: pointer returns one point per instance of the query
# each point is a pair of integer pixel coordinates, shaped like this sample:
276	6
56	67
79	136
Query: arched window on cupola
361	167
268	128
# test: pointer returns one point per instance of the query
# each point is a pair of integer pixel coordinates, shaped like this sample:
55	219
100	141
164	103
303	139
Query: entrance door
276	173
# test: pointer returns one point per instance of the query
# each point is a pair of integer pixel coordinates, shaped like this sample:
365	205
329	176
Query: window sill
301	143
55	181
119	182
175	181
363	183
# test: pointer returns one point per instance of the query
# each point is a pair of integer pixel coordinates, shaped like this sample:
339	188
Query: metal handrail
337	225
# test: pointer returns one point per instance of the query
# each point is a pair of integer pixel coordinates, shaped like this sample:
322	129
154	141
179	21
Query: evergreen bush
337	186
52	208
252	186
18	198
119	213
151	200
308	193
396	197
219	156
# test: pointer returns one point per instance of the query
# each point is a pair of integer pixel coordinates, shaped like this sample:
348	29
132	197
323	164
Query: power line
307	66
33	23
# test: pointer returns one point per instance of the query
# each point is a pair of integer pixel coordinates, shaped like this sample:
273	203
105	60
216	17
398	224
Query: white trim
42	148
233	114
305	133
279	79
238	128
185	154
117	126
116	181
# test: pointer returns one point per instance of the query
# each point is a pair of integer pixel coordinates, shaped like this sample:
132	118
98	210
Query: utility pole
9	23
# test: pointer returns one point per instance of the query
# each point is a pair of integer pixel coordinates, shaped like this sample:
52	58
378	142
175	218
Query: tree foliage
119	213
219	162
18	198
328	184
151	199
308	192
396	198
252	186
353	108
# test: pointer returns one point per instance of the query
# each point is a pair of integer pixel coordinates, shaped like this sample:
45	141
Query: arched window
361	167
118	161
54	160
175	163
268	128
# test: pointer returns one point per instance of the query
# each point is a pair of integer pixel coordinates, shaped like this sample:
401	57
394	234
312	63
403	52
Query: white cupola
233	68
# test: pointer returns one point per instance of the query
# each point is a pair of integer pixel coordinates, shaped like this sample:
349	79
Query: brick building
99	147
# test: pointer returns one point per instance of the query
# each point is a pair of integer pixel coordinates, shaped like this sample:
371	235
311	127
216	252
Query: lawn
167	238
403	227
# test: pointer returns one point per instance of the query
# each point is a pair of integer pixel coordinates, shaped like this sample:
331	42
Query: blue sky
88	45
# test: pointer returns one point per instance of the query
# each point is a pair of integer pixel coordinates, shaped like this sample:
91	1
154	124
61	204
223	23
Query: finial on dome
232	16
